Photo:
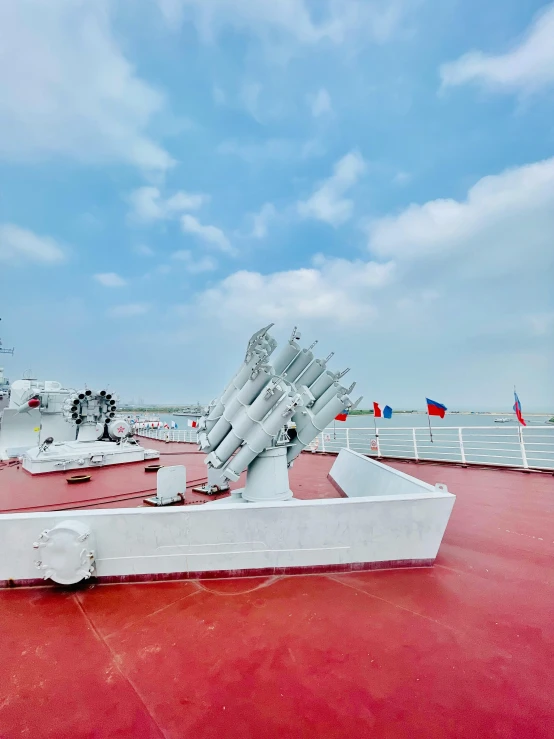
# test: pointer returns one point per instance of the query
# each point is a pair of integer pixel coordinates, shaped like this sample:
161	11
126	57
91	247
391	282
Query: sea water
483	440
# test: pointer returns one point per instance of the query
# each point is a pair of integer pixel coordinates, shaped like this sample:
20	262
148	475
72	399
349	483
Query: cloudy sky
174	174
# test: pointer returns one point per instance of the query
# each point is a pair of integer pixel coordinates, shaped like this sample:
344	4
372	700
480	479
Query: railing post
523	452
462	450
416	455
378	442
347	438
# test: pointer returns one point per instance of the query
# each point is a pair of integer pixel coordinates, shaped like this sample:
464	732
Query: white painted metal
22	427
358	476
183	435
119	428
171	485
89	411
65	553
523	451
462	450
230	537
416	457
216	482
268	477
496	445
74	455
253	412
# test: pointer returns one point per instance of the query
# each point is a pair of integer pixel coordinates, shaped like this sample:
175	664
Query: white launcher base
78	455
389	520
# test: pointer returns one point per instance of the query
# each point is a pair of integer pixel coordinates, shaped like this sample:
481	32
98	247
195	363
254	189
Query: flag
517	410
193	424
385	413
342	416
435	409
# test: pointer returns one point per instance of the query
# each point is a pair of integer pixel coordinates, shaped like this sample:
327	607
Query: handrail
525	448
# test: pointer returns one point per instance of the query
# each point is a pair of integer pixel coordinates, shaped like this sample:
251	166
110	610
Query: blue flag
387	412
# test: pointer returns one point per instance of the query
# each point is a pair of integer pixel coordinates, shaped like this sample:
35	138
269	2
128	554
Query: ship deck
461	649
127	485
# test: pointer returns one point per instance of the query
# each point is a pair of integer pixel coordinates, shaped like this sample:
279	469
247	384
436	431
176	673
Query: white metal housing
255	409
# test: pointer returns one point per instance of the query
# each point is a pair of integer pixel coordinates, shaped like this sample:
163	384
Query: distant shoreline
176	409
456	413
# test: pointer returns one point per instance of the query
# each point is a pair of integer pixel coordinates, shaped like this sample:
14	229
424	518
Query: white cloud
462	271
110	279
210	234
147	204
129	310
527	67
504	221
333	290
67	88
192	265
261	221
143	250
327	203
21	245
288	20
320	103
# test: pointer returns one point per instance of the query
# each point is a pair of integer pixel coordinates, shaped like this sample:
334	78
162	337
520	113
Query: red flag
435	409
377	411
517	409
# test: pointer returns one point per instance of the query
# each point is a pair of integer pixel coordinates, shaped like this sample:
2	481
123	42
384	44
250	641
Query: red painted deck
463	649
127	485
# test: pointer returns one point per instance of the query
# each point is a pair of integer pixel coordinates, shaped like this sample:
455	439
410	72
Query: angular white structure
388	519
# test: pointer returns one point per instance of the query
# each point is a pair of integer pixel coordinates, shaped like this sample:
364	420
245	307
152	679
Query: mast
5	351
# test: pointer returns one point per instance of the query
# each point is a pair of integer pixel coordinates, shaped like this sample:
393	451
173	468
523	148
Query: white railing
168	434
528	448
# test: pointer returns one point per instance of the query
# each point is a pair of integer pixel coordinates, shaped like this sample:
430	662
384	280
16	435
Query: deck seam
115	659
152	613
337	579
260	586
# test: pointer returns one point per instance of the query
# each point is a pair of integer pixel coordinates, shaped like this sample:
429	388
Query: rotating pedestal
267	478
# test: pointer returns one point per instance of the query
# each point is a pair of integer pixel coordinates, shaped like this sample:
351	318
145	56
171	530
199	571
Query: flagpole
517	419
429	419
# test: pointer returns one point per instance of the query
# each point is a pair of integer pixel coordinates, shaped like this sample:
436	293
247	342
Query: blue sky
174	174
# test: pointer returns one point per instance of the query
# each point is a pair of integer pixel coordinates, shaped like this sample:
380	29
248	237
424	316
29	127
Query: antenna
5	351
246	427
